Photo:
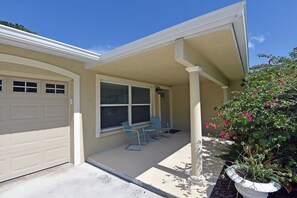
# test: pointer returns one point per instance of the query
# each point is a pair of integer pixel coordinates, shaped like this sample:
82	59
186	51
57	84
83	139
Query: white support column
225	92
196	127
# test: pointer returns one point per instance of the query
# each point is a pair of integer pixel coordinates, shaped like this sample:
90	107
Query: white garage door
34	125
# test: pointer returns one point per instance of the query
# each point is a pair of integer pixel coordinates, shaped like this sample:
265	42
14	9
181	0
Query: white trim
18	38
129	105
35	76
240	33
222	18
114	105
76	83
243	65
119	81
194	69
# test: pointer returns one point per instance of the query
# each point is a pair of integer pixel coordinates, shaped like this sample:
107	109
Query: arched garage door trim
76	92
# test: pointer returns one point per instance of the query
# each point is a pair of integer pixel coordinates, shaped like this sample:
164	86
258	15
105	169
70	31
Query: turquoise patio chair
161	126
132	134
152	128
156	126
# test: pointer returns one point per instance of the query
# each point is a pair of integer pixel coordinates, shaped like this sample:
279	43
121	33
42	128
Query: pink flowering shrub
264	114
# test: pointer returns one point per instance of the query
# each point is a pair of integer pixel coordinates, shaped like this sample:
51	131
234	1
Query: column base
197	179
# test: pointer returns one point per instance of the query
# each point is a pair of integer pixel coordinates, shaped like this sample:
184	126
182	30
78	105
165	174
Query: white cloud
259	39
254	40
251	45
101	49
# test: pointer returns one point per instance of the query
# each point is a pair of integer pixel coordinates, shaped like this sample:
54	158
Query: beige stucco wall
211	96
181	107
87	95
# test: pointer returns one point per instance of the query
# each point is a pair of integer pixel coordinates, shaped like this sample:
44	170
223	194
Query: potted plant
264	117
256	174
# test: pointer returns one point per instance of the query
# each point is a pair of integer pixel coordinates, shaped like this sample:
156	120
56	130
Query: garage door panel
55	111
34	131
22	126
56	134
25	162
4	168
24	111
56	154
4	142
29	138
2	108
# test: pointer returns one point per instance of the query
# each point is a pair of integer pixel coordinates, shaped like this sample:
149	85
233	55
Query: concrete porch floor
166	164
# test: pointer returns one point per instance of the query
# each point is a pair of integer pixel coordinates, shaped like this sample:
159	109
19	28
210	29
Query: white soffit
232	17
18	38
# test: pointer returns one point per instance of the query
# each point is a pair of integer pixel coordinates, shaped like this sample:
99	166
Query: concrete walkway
83	181
165	164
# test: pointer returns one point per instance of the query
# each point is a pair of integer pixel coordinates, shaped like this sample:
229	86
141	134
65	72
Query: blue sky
102	25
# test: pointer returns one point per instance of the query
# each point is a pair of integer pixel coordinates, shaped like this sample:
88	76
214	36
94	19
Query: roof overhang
142	52
21	39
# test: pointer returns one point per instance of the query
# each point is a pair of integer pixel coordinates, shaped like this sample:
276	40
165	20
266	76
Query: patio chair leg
157	137
139	142
144	139
148	139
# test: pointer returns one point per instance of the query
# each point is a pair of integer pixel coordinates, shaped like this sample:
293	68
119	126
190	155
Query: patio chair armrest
132	130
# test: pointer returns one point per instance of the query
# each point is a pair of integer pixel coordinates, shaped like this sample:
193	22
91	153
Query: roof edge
218	19
18	38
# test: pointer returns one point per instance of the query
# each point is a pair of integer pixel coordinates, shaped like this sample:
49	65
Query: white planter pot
250	189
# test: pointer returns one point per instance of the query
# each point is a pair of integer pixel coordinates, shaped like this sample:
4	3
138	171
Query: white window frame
25	80
55	89
134	105
119	81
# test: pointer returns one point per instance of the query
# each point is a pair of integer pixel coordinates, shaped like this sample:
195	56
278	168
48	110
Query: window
53	88
123	102
114	104
1	85
24	86
140	104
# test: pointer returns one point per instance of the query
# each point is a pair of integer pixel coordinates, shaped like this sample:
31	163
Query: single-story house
60	103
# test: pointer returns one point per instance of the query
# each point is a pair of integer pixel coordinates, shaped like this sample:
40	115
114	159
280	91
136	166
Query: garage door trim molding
78	159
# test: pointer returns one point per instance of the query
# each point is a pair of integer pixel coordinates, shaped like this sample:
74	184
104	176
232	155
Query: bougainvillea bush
264	114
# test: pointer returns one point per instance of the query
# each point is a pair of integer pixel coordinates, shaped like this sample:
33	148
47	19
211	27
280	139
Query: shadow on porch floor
166	164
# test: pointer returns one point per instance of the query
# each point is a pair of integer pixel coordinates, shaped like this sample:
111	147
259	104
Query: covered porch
199	62
164	165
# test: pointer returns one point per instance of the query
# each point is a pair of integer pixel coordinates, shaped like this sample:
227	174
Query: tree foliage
16	26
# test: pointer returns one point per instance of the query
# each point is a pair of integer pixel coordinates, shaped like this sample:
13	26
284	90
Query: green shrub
263	115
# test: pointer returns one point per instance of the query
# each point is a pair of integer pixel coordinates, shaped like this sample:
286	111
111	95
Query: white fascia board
18	38
222	18
240	29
